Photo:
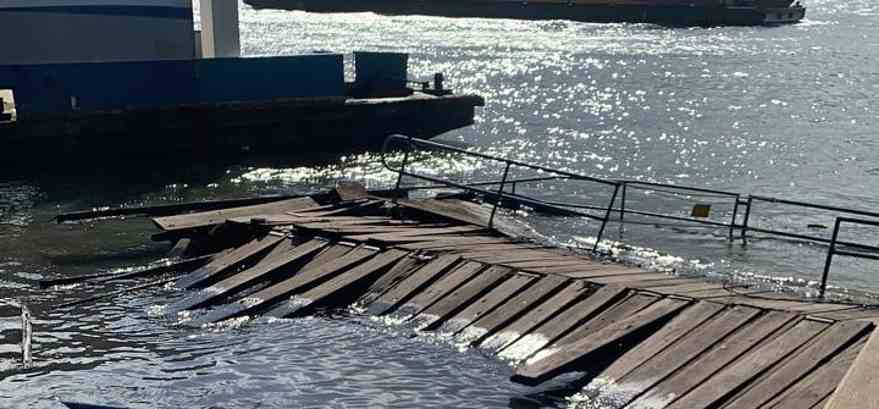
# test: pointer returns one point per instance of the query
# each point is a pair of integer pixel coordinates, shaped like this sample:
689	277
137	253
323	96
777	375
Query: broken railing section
506	194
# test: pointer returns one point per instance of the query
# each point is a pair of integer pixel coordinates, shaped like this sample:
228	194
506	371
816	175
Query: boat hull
314	125
670	14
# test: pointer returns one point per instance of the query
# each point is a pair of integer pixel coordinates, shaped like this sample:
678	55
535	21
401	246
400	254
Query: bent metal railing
500	194
620	189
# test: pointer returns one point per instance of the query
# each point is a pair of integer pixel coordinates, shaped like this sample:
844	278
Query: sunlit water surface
783	111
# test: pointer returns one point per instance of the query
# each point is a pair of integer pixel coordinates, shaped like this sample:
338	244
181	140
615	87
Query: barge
156	86
664	12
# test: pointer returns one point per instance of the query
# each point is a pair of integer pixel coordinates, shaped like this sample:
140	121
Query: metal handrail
500	194
832	251
621	186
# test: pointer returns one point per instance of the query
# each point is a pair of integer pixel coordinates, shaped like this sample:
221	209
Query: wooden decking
650	339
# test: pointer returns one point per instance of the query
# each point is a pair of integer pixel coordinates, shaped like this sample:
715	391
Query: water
782	111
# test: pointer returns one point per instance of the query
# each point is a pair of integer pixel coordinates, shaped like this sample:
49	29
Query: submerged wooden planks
654	339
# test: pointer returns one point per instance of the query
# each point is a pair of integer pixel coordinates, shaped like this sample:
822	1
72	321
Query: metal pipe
735	213
623	202
402	167
829	260
815	206
613	199
500	193
26	336
423	142
747	218
679	187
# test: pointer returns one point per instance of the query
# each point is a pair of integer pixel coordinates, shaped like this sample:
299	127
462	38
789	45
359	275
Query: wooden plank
488	303
738	373
450	243
671	280
822	382
281	255
413	284
687	288
606	271
328	293
551	362
557	262
858	387
494	258
489	323
856	314
401	270
712	338
440	230
582	269
215	217
686	322
440	288
820	350
535	317
632	280
619	312
463	211
268	296
209	272
604	299
465	297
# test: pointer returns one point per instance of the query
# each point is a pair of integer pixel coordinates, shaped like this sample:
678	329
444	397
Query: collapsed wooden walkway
653	340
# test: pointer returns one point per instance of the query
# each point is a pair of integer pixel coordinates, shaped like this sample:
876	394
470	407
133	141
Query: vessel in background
133	78
665	12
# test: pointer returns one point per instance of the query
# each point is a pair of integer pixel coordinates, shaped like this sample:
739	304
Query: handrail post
26	336
623	203
747	218
735	214
403	167
613	199
829	260
500	195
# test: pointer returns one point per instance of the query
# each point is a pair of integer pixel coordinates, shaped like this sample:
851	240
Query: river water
788	112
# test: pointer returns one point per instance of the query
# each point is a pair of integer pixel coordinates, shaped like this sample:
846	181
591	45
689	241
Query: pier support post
219	29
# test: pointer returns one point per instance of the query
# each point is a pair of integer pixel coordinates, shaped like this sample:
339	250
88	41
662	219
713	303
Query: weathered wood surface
407	288
215	217
204	275
861	382
603	299
556	360
686	322
535	317
487	303
518	306
265	298
281	255
462	296
325	293
439	289
662	341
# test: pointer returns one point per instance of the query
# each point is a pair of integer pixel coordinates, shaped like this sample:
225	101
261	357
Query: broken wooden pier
649	339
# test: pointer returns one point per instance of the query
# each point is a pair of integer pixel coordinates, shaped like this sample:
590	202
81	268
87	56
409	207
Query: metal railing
832	251
621	189
498	196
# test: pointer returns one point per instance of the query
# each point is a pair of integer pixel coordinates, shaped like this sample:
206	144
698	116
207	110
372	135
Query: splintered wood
642	339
